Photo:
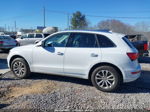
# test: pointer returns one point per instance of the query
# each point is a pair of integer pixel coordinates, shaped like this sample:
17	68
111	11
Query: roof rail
103	30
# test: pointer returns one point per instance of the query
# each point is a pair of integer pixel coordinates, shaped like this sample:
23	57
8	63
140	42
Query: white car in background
7	43
30	38
106	58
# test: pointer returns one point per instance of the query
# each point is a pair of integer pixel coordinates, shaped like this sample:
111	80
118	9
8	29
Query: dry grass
35	88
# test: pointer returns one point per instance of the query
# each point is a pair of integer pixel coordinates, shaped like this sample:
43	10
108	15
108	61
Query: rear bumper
132	74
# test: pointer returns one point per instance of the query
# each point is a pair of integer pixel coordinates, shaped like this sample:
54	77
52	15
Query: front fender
16	54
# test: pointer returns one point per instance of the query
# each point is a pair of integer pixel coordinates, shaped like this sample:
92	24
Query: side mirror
50	44
39	44
37	41
21	37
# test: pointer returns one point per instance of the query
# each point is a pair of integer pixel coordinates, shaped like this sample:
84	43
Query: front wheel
20	68
106	78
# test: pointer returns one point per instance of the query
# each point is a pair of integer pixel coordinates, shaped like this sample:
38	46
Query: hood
26	47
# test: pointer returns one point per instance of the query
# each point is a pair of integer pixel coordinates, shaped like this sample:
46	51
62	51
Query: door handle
60	53
94	55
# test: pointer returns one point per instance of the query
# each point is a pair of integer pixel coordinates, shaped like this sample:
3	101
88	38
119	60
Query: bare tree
116	26
142	26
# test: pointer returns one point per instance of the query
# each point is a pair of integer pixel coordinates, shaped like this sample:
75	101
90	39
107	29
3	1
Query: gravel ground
45	92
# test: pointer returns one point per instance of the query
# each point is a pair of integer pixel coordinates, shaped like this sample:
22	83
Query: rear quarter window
126	40
105	42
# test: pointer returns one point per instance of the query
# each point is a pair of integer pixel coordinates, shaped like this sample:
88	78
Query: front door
49	57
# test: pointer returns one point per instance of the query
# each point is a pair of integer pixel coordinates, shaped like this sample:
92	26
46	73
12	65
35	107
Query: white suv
106	58
30	38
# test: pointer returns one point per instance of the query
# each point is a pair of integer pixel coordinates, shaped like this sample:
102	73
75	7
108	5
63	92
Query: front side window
83	40
105	42
39	36
57	40
24	36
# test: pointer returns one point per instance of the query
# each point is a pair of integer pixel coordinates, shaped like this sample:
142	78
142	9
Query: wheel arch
104	64
17	56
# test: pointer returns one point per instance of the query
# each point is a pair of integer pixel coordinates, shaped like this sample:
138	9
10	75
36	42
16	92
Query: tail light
146	47
133	56
1	43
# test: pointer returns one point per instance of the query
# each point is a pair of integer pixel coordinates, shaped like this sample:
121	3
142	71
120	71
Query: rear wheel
20	68
106	78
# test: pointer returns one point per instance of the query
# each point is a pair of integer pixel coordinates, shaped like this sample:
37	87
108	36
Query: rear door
81	52
31	39
26	39
23	39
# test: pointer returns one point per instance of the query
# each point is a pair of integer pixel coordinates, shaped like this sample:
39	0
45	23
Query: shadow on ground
3	64
142	85
3	105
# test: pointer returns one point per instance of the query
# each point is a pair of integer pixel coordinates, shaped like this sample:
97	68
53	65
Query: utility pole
68	23
44	16
15	26
8	29
5	27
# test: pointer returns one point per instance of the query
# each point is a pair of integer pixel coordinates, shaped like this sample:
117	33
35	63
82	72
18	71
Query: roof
104	31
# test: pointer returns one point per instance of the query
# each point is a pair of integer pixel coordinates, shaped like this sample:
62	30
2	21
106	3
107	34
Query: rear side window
126	40
105	42
31	36
82	40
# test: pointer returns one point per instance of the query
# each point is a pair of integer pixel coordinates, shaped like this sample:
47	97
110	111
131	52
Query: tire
106	74
20	68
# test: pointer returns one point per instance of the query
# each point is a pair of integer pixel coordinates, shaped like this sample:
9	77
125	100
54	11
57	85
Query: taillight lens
133	56
146	46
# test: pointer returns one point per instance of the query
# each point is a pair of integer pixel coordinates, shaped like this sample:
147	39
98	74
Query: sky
29	13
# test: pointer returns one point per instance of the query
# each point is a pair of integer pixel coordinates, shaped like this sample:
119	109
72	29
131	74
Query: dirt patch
36	88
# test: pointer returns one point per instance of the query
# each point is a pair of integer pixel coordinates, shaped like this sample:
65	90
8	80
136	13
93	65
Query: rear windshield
126	40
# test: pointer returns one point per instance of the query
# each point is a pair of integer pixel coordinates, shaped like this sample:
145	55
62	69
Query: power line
64	13
119	17
98	16
59	12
